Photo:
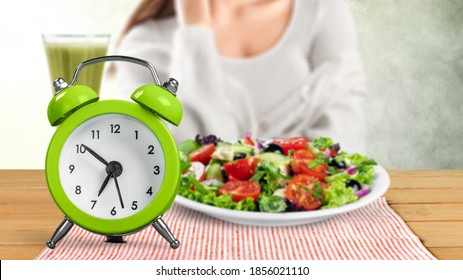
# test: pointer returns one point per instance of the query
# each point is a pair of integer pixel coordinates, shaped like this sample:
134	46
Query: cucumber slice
237	148
274	158
214	171
283	163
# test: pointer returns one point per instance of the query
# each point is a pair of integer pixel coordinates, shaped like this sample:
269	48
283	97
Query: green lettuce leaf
337	195
365	168
209	195
184	161
364	175
338	178
188	146
268	177
272	204
322	143
246	204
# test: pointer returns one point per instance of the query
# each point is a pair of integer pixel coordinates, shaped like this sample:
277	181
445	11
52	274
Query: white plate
377	188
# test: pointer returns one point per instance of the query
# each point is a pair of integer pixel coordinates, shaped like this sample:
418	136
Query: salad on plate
273	176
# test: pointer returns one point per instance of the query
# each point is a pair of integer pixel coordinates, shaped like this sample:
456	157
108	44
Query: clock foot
165	232
60	232
115	239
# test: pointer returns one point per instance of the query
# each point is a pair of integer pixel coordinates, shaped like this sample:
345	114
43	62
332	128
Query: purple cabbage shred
336	147
209	139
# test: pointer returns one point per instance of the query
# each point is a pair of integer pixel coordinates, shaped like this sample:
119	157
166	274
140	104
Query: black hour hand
105	183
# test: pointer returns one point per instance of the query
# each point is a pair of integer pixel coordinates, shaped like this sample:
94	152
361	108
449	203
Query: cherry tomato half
241	169
330	153
300	165
240	190
293	143
203	154
248	141
297	191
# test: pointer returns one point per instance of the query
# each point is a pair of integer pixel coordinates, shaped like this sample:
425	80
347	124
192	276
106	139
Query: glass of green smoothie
65	52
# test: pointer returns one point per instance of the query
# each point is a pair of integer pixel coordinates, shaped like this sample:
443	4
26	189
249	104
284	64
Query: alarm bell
67	100
161	101
157	98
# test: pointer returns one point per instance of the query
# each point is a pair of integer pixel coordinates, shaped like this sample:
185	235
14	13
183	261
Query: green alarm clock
112	166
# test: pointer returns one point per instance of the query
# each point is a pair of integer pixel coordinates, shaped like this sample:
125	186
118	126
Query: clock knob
160	100
171	85
67	100
59	84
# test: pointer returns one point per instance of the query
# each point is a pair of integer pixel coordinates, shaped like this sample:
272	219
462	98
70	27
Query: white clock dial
124	142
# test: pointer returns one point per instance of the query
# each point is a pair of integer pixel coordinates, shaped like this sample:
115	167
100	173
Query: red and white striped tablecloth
372	232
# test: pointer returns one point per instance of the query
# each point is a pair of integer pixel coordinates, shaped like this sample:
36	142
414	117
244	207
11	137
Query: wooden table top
430	202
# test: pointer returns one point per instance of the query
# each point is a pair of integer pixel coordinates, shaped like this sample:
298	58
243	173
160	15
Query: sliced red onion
362	192
248	134
326	153
351	170
257	147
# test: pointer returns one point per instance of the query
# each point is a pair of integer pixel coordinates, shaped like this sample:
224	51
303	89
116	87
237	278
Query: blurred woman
276	68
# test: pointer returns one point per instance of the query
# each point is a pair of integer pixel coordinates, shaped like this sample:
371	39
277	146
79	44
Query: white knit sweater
310	83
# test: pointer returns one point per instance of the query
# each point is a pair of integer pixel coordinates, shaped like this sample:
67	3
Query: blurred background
412	51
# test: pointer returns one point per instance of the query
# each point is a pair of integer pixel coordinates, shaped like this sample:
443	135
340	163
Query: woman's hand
192	12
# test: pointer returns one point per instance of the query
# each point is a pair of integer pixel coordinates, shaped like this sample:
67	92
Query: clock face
111	166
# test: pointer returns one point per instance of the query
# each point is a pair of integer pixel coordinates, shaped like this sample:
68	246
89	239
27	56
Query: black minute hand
119	192
97	156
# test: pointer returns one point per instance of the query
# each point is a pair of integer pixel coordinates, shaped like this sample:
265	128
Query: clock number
156	170
78	190
136	134
150	191
80	149
115	128
113	211
134	205
71	168
94	202
150	150
95	134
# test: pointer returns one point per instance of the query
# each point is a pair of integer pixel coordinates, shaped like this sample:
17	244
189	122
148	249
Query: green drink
66	52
